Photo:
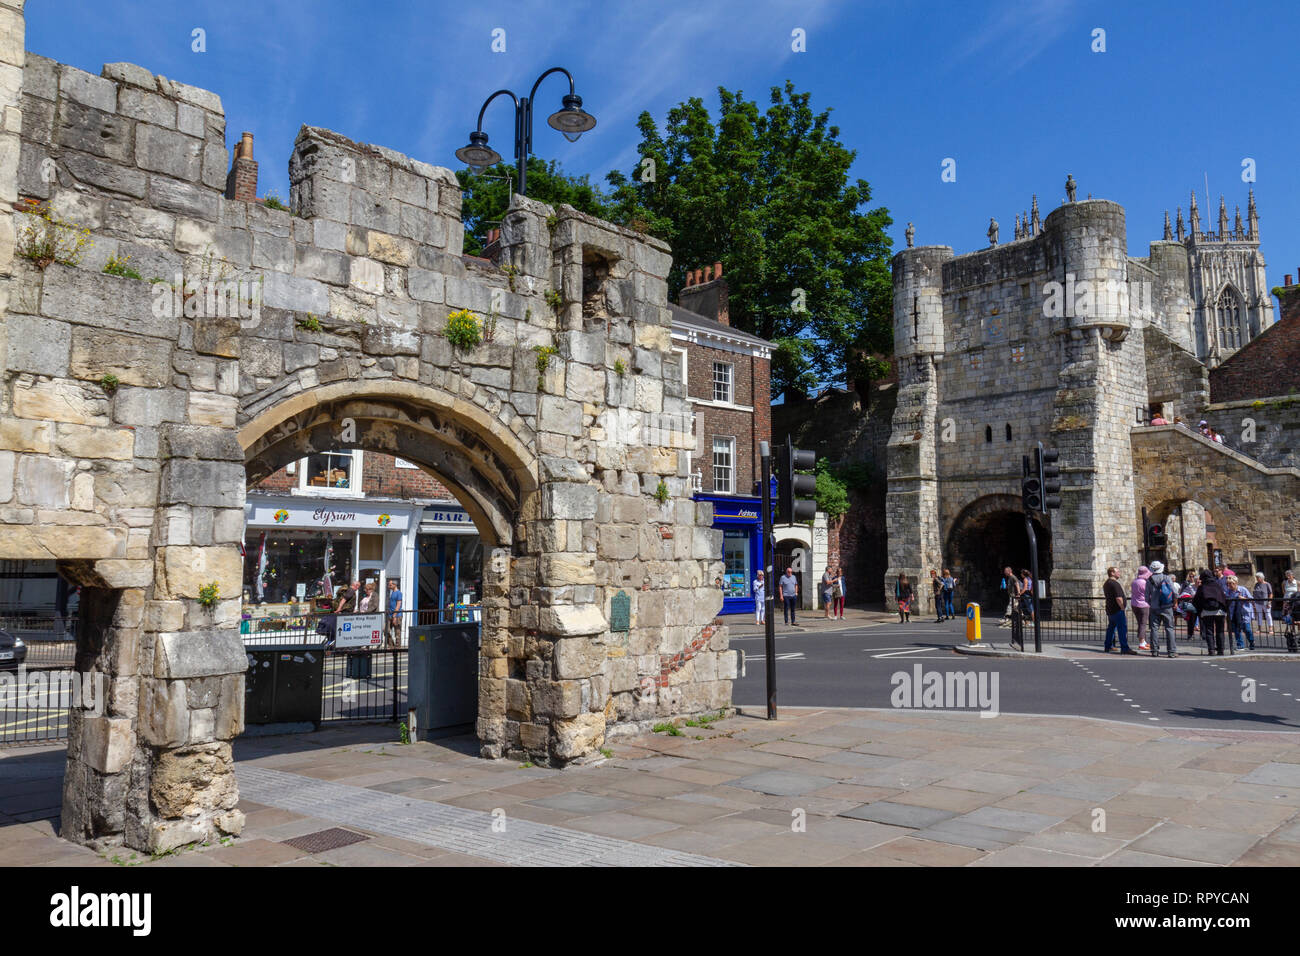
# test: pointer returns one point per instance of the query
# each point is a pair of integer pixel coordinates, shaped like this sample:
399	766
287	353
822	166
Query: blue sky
1011	91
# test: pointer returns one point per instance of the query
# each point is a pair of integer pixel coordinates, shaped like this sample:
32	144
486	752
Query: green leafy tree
769	194
487	195
832	494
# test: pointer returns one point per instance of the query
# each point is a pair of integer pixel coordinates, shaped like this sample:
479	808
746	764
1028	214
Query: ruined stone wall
134	411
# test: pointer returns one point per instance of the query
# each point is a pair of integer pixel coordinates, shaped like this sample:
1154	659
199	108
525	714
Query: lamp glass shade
478	154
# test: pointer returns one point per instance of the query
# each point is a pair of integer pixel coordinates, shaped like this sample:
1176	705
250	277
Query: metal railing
365	685
1083	620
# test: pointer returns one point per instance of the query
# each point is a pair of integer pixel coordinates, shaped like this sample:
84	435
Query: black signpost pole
770	583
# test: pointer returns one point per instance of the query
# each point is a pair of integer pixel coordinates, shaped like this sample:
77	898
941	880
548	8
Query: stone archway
988	535
492	475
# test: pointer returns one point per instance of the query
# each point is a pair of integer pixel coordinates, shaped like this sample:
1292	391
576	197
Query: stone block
167	151
37	345
107	743
88	89
106	302
186	199
578	736
191	780
569	501
44	482
164	718
578	657
213	484
148	406
84	441
572	621
180	655
135	361
295	293
104	174
191	441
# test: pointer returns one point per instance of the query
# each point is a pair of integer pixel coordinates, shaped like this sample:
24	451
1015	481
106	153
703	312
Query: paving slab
970	834
782	782
1195	843
1004	819
899	814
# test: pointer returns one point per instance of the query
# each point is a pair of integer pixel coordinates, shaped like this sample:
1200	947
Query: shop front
738	519
297	551
450	566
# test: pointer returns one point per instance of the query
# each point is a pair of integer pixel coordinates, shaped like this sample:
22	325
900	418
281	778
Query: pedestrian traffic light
791	508
1031	489
1156	535
1049	474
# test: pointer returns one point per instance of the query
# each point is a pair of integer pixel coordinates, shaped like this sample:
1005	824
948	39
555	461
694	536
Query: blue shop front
740	521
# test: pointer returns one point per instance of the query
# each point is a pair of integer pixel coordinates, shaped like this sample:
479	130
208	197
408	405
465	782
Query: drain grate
323	840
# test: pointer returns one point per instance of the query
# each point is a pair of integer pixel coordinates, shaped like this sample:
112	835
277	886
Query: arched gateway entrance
986	537
132	421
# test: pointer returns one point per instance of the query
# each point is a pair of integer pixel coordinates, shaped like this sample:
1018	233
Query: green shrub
48	240
463	330
109	383
272	201
120	267
209	594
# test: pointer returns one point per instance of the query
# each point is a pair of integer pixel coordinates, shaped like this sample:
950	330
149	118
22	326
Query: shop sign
359	516
359	630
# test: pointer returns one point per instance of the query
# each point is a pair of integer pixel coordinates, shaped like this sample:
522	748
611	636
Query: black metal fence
1267	624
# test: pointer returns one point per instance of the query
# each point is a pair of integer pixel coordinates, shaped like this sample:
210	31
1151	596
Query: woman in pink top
1141	606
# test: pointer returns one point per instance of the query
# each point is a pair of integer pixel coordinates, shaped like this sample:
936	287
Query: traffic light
791	507
1031	489
1156	535
1049	475
1040	485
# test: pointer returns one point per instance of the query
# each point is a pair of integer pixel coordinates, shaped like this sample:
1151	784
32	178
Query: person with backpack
949	587
936	587
1211	604
1141	606
1162	594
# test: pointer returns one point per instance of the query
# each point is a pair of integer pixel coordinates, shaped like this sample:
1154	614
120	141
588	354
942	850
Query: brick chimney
1288	298
241	183
705	293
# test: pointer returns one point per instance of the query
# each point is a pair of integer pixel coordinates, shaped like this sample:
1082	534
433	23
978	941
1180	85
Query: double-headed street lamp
571	120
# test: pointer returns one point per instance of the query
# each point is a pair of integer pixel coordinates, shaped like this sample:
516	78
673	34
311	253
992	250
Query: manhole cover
323	840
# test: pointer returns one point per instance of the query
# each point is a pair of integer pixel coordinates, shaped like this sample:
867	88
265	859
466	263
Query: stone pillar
1102	384
12	58
912	502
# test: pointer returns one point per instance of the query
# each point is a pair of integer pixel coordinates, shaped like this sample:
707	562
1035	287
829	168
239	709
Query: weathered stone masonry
137	490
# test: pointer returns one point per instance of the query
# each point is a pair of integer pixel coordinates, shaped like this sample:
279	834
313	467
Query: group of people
943	587
1203	427
1019	591
1224	609
834	591
354	599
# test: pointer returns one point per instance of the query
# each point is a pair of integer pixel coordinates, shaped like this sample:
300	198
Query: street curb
988	650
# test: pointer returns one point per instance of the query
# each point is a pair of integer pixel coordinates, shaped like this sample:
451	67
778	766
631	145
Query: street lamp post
571	120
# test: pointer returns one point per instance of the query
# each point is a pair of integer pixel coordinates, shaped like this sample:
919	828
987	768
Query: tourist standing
1141	607
1011	586
1115	613
1212	610
789	586
1162	595
903	594
936	586
841	591
1027	594
828	591
949	589
1185	606
1263	595
1290	608
760	598
1242	613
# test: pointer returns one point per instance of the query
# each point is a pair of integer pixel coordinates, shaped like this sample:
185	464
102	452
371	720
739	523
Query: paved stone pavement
818	787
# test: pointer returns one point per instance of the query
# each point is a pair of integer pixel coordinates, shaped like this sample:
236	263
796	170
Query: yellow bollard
973	623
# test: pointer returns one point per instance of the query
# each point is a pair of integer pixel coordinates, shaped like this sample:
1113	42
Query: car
12	651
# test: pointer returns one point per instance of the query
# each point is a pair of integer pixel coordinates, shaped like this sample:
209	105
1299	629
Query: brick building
727	377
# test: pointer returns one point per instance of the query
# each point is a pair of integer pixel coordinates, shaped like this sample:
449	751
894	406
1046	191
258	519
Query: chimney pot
699	276
717	270
245	149
708	273
1287	280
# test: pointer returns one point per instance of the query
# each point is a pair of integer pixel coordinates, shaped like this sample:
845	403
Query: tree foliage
768	194
832	494
487	195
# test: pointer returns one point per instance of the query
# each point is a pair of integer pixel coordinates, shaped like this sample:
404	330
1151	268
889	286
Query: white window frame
730	488
731	383
358	479
686	382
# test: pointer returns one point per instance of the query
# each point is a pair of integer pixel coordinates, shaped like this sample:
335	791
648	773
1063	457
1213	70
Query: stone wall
135	411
